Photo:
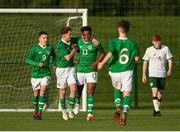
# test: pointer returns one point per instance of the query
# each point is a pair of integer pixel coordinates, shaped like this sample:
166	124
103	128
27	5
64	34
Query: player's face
121	30
67	36
86	36
157	44
43	39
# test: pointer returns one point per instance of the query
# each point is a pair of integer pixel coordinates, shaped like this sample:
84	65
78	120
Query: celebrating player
39	57
156	56
65	72
87	68
122	52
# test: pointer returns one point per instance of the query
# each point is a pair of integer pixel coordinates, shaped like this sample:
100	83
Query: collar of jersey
68	43
123	38
42	46
157	48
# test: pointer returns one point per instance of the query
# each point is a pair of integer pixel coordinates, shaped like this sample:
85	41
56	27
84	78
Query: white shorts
38	82
65	77
90	77
122	80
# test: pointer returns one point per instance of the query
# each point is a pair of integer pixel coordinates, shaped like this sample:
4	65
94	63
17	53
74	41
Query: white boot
70	113
64	114
76	109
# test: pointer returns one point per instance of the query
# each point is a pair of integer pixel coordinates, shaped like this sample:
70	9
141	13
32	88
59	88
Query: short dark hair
65	29
86	28
125	25
41	33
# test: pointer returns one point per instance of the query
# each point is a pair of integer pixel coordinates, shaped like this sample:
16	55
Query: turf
138	120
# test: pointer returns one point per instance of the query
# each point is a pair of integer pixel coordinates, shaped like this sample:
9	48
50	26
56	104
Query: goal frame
83	16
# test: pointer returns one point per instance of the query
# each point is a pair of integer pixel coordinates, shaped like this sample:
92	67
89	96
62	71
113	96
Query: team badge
151	84
89	47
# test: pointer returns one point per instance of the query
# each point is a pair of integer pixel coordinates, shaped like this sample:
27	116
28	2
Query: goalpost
19	28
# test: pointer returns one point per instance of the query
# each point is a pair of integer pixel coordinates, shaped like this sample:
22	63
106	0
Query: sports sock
159	102
155	103
71	102
117	98
78	97
41	103
63	102
90	104
35	101
126	104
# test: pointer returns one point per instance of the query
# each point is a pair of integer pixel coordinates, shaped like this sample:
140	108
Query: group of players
122	52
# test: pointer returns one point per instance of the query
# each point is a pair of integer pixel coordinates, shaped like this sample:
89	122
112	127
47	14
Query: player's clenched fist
74	47
41	64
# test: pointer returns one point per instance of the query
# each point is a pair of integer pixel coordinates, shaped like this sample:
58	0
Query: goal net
19	29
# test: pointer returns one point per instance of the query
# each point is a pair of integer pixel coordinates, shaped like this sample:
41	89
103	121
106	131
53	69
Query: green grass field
138	120
18	34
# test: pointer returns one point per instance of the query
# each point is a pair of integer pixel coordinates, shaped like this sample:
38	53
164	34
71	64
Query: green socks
78	98
41	103
117	98
118	101
90	104
126	104
35	101
71	103
63	101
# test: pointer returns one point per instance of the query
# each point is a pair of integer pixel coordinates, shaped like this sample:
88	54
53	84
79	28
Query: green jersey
87	55
39	54
124	51
63	50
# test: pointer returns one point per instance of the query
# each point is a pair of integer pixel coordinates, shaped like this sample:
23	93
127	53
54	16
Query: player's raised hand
41	64
74	47
144	79
95	41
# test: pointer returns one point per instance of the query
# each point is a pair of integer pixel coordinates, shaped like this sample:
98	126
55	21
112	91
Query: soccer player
65	72
39	57
122	52
87	68
157	55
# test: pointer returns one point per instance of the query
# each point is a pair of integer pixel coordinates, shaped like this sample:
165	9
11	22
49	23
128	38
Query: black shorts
157	82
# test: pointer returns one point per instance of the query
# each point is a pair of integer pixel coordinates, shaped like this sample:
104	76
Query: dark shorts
157	82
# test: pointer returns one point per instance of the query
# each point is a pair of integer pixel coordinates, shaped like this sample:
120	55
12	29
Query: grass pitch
138	120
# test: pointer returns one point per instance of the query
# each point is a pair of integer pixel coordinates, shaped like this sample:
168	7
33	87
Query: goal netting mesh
19	33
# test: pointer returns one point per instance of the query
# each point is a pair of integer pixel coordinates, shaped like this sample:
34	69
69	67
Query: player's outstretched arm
144	78
100	58
106	58
170	67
